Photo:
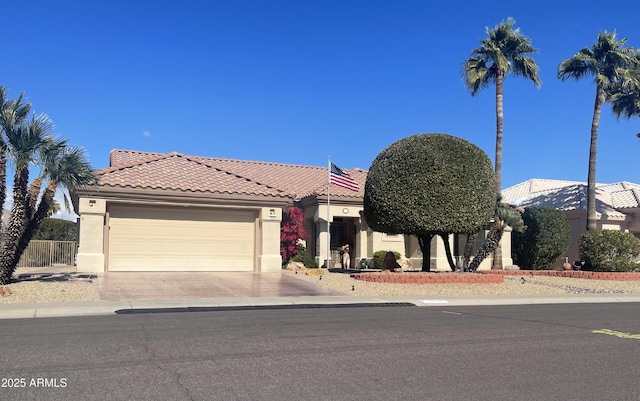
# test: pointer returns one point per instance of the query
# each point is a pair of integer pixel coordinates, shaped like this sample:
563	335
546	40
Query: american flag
343	179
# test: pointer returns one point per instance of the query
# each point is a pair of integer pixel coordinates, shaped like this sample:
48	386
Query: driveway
119	286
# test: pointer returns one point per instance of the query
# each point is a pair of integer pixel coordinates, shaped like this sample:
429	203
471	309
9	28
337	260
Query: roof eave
166	195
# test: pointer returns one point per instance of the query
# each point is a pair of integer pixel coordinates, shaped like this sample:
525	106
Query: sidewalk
60	309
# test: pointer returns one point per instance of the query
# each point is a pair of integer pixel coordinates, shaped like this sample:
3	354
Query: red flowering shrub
291	232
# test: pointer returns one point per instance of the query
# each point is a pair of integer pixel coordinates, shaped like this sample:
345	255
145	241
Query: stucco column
505	244
270	259
412	251
322	242
90	258
362	229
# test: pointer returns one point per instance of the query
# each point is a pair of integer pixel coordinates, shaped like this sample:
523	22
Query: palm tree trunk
33	193
496	263
468	248
17	225
497	255
45	204
447	249
3	178
425	246
591	179
499	128
34	222
490	245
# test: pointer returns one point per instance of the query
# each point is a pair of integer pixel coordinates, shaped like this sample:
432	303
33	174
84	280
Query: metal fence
49	253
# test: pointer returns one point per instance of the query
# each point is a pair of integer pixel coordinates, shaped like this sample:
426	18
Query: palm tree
23	143
605	60
505	51
12	113
53	208
63	167
625	97
506	215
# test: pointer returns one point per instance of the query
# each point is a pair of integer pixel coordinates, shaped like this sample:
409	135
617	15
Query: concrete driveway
120	286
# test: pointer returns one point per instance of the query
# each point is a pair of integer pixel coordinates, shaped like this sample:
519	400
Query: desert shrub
378	257
304	258
546	238
609	250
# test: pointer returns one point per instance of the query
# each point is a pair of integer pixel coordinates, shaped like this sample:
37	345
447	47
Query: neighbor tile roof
525	189
626	198
611	199
206	174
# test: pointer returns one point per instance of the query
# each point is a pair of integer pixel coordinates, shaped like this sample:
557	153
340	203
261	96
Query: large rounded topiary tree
427	185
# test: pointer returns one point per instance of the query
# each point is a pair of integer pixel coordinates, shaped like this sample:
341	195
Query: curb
96	308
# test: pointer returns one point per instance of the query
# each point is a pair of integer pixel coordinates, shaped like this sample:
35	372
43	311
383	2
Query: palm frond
476	74
69	167
603	60
576	67
526	67
26	139
510	216
505	50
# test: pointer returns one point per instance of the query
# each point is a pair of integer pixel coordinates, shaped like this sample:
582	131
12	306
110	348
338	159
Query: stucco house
174	212
617	205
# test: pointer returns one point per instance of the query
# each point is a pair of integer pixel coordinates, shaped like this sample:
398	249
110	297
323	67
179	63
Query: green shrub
304	258
56	230
609	250
430	184
378	257
546	238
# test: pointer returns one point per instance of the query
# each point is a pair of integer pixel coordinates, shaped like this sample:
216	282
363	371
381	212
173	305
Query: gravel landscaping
69	286
36	287
513	285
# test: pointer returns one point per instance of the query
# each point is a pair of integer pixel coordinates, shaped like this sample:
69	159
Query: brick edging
429	278
619	276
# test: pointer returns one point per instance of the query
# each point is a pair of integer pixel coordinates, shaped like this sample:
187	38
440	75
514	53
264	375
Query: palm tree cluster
615	72
507	51
26	139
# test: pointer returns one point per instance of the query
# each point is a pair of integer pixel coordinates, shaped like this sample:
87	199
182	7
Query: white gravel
51	289
38	292
513	285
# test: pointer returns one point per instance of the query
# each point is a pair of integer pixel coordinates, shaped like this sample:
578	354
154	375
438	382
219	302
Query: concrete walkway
130	286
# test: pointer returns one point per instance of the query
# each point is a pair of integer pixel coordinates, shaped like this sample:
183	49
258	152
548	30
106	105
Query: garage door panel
179	239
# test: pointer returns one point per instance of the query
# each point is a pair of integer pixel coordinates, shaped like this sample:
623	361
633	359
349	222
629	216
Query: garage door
181	239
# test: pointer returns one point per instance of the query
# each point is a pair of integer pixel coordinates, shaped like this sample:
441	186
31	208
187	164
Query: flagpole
328	210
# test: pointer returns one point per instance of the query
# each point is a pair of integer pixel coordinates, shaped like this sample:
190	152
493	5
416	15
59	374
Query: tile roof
206	174
174	171
525	189
611	199
626	199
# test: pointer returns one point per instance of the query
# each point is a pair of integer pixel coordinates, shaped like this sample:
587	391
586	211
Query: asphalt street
521	352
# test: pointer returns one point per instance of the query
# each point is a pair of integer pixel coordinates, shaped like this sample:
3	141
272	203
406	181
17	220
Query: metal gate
41	253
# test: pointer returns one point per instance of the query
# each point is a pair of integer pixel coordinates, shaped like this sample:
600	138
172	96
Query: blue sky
297	81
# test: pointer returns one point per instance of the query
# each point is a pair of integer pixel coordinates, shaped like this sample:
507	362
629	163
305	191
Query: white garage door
181	239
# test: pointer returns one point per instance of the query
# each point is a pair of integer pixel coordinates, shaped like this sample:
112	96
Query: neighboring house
617	205
173	212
